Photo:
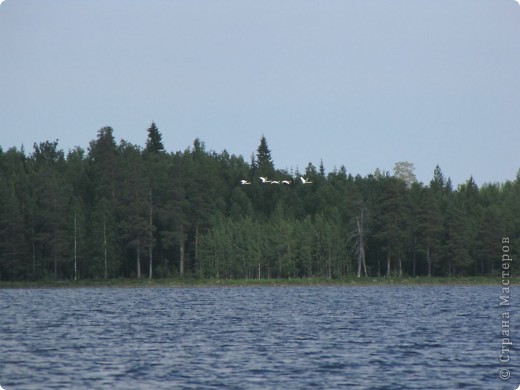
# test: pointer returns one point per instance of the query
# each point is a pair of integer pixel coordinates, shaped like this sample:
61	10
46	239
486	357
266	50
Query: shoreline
292	282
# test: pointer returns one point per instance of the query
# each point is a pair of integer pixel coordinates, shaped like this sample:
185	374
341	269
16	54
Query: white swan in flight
275	182
286	182
244	182
305	181
264	180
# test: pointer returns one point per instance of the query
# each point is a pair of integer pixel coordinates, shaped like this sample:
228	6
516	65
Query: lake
418	337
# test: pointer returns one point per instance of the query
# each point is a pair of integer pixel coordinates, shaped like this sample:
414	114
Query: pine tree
155	168
134	201
52	195
264	161
429	226
15	197
322	169
154	141
392	219
104	164
469	197
438	182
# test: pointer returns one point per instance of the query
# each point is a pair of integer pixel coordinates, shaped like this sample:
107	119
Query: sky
359	83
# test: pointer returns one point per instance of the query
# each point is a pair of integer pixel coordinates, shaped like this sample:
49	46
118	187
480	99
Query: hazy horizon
354	83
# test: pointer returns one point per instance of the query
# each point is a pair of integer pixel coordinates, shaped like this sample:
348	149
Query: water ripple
286	337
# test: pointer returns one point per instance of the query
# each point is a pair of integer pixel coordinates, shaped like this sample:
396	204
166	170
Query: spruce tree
264	161
154	141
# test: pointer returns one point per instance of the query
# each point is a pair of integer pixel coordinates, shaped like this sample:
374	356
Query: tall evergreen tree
104	164
429	226
134	201
264	162
322	169
52	195
438	181
15	200
154	141
392	215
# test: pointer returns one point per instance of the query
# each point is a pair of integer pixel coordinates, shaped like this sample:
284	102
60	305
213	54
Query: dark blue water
267	337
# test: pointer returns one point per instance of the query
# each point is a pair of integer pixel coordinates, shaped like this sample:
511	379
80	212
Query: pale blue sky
363	83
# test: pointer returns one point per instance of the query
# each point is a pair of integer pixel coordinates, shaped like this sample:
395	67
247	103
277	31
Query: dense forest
121	210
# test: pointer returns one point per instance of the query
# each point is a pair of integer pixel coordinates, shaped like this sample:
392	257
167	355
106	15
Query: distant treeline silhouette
121	210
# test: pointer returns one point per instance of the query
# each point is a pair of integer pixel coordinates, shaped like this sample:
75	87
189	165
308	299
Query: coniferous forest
122	210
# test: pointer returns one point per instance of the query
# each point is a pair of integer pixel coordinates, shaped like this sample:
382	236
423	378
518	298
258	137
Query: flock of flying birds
265	180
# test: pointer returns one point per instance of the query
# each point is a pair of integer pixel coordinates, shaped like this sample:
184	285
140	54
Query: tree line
121	210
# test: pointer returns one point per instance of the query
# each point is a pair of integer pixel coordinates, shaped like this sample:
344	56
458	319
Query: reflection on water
253	337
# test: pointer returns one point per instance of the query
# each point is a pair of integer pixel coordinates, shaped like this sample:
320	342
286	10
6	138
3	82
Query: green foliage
121	211
154	141
264	161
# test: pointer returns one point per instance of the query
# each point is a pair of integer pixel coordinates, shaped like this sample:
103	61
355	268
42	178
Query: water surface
423	337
